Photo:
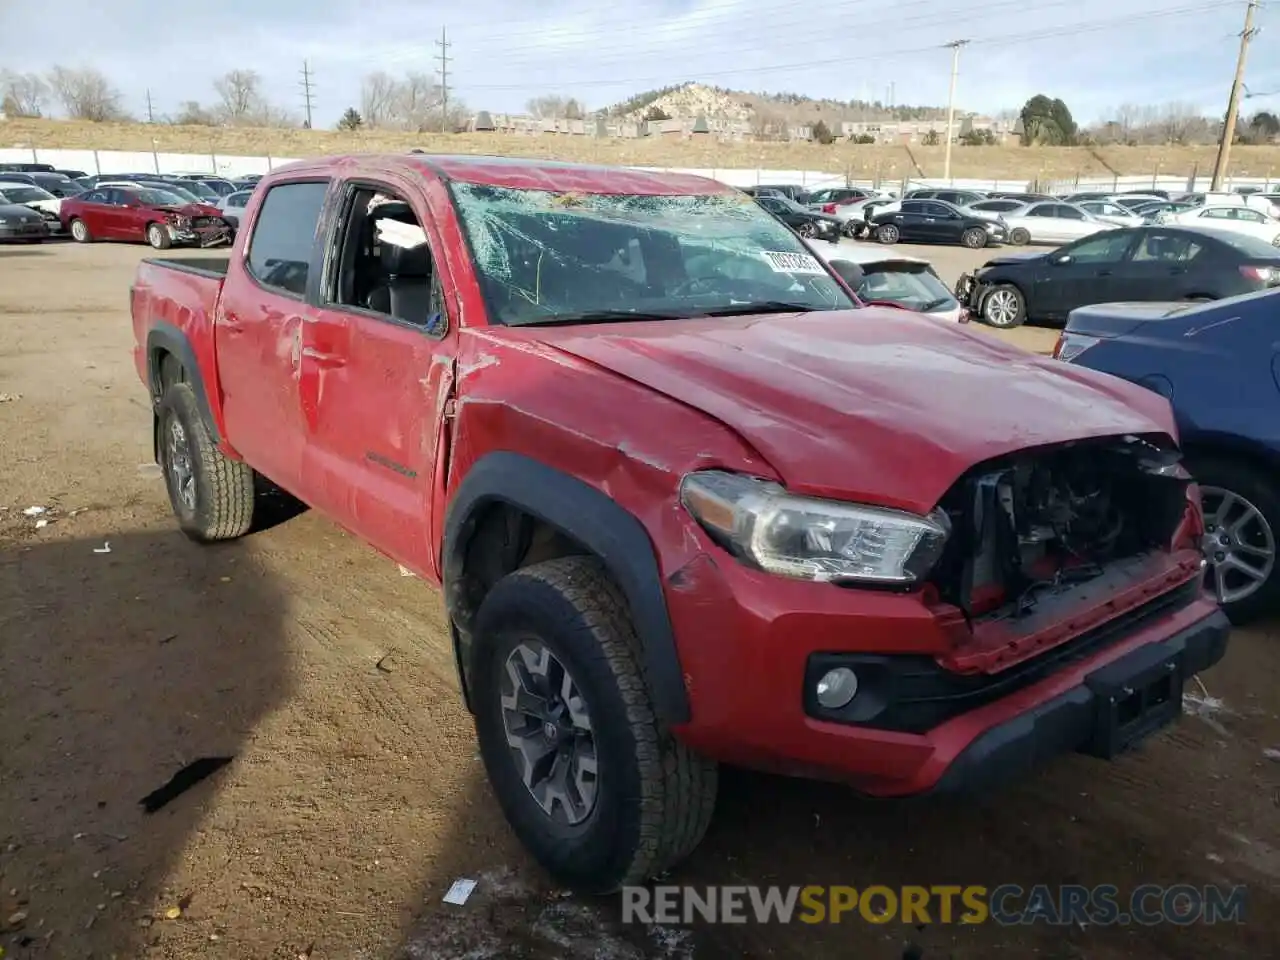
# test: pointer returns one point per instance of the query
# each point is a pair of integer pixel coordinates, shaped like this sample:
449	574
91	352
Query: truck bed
215	267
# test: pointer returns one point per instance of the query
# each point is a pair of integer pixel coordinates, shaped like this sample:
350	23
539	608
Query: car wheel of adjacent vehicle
1020	237
212	495
1004	307
887	233
589	779
808	230
158	237
1276	241
80	231
1242	523
851	229
975	238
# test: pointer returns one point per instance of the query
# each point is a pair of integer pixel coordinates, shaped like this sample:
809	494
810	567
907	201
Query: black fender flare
166	338
591	519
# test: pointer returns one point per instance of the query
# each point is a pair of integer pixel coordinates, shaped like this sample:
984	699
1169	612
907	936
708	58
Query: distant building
915	131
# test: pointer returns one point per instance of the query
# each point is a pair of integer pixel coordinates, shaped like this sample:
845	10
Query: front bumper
212	232
755	639
35	230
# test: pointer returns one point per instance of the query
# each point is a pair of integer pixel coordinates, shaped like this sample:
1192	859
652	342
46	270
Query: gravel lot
356	795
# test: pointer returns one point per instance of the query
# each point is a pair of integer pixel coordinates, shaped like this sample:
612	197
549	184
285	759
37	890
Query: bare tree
553	107
1177	121
86	94
417	102
192	113
377	100
23	94
240	99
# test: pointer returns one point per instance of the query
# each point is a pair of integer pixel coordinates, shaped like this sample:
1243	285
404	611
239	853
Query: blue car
1219	365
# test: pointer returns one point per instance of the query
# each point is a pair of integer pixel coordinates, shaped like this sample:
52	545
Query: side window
384	263
284	236
771	204
1253	216
915	206
1068	213
1217	213
95	196
1041	210
1166	248
1108	247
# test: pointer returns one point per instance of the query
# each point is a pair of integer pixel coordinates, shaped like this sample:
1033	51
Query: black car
807	223
788	190
55	183
21	224
26	168
1123	265
935	221
960	198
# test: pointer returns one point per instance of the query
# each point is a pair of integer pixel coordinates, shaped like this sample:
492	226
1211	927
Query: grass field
859	161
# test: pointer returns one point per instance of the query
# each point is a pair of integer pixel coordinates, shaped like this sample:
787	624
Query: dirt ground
355	796
891	162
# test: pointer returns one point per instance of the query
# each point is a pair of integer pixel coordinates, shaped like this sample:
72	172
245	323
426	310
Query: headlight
811	539
4	220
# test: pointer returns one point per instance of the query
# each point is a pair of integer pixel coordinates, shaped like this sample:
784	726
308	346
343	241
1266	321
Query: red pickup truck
689	502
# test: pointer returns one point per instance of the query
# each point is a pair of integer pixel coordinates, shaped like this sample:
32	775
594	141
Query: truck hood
879	406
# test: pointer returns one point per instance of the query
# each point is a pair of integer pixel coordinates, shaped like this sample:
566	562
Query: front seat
405	292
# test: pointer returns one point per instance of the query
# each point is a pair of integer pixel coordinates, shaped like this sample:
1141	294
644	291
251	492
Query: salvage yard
354	795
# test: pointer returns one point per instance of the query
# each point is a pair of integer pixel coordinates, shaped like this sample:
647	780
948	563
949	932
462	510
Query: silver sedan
1051	222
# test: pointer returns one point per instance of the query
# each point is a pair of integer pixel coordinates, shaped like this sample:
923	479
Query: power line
956	46
444	58
1233	100
1051	33
307	84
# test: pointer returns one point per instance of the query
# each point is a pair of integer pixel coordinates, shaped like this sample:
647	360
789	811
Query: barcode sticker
781	262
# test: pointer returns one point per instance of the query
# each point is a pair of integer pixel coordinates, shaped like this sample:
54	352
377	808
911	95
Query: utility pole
307	86
444	58
955	46
151	116
1233	102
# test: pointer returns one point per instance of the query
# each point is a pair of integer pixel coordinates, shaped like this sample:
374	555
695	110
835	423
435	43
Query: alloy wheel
179	464
1001	308
549	732
1238	543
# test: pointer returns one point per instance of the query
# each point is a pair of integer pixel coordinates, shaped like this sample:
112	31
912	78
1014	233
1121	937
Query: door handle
1104	273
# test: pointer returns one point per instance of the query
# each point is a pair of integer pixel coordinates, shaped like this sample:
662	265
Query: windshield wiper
595	316
758	306
935	304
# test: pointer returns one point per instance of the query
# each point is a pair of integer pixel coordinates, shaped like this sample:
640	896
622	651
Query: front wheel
807	230
1004	307
1020	237
593	785
975	238
212	495
1242	522
887	233
851	229
158	237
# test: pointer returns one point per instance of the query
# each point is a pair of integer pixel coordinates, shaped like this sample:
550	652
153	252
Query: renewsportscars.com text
1007	905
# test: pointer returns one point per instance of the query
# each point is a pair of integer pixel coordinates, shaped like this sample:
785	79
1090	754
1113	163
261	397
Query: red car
142	214
688	500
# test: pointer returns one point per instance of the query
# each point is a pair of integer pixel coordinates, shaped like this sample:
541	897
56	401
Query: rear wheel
158	236
212	495
975	238
1004	307
80	231
887	233
1242	524
1020	237
589	779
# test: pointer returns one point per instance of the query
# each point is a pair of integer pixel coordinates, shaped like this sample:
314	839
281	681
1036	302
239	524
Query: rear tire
1020	237
212	495
80	231
158	237
651	798
1250	497
1004	307
975	238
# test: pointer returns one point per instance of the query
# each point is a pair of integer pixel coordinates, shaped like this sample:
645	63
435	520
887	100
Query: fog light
837	687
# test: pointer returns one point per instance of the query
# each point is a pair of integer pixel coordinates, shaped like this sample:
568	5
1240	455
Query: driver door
1081	273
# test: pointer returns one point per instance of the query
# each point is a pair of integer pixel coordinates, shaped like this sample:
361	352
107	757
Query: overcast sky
1094	54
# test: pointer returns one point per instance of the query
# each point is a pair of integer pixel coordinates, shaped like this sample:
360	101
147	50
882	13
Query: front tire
1004	307
619	801
975	238
1242	524
80	231
807	230
212	495
158	237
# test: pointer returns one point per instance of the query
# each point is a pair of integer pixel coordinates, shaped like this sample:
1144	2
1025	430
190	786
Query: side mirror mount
1061	260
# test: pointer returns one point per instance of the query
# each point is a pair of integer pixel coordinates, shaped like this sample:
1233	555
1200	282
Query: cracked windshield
546	257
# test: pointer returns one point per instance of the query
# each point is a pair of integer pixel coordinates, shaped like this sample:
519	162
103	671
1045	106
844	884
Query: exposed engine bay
1041	522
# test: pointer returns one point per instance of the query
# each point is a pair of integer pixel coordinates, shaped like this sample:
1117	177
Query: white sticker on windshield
781	262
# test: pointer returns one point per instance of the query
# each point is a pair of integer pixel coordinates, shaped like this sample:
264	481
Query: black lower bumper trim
1114	708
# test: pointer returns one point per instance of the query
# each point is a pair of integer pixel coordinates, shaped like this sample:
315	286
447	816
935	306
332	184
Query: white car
1051	222
1237	218
25	194
879	274
1113	213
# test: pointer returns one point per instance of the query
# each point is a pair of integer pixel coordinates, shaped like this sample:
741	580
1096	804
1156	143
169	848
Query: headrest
396	210
406	262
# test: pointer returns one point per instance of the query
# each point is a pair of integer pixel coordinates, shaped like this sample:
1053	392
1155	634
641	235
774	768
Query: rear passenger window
284	236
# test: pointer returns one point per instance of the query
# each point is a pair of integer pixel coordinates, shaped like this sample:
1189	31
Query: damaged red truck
688	501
